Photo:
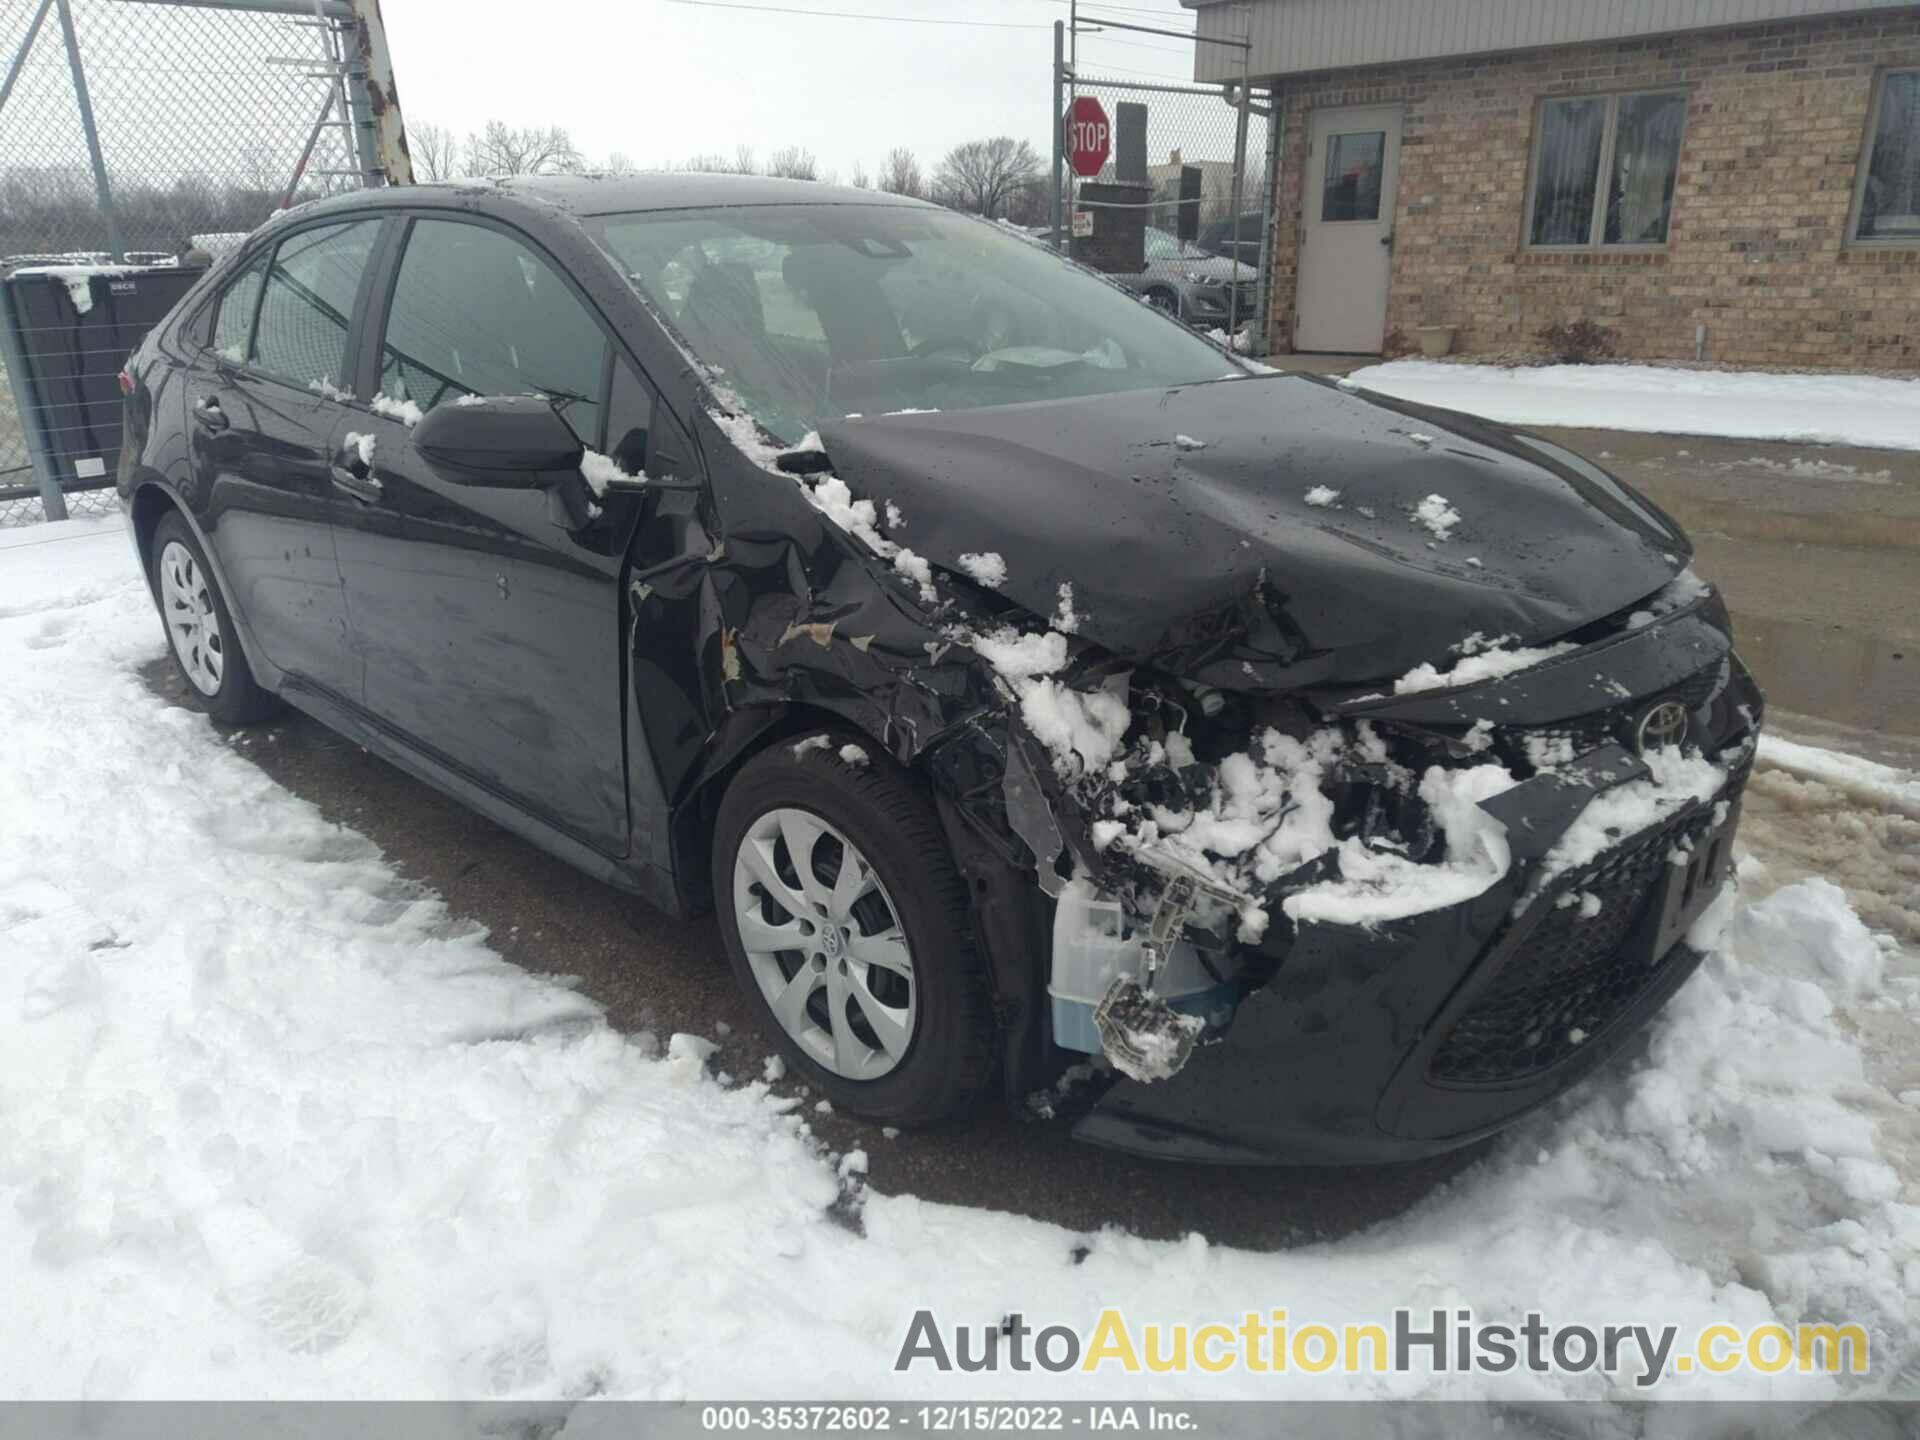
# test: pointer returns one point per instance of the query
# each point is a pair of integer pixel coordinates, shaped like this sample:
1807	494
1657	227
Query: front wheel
1164	300
848	925
200	628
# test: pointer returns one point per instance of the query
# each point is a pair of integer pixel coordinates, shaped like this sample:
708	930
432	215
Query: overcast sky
660	81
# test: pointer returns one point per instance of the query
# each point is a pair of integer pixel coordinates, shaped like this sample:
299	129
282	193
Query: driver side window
475	312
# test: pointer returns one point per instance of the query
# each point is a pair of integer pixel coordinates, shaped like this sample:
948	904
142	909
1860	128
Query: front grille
1574	974
1581	733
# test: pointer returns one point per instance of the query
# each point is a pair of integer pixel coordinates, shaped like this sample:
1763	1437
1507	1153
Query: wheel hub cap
824	941
193	626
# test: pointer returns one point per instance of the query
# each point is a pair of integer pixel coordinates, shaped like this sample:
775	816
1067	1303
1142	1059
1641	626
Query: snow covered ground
1826	409
273	1122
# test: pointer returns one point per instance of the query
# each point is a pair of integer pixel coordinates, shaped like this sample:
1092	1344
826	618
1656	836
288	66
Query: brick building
1733	179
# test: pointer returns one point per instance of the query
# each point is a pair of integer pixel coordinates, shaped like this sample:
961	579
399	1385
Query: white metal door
1346	251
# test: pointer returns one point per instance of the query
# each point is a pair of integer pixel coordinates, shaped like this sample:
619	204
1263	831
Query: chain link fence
133	132
1187	167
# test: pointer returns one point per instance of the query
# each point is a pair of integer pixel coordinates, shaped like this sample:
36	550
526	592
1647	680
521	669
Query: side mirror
503	441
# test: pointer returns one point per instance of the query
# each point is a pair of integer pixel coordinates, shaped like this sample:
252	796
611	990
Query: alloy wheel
192	623
824	941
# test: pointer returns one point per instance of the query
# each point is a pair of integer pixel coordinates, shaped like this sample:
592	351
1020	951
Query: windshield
815	312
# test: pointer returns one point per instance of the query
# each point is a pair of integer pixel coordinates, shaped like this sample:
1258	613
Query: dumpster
75	326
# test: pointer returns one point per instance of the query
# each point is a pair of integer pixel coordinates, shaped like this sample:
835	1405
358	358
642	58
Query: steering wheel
935	344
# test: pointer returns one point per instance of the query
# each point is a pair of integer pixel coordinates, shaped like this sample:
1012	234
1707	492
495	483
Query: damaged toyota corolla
1035	689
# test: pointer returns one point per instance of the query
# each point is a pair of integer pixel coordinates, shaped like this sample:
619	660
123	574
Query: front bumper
1429	1033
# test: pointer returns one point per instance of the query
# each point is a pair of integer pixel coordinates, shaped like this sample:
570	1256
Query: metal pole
39	453
85	106
372	86
20	55
1059	125
1239	178
1073	94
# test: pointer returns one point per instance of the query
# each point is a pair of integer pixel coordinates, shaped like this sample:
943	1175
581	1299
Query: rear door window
476	312
233	321
308	302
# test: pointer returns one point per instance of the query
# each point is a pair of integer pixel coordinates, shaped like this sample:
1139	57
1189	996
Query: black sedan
1023	678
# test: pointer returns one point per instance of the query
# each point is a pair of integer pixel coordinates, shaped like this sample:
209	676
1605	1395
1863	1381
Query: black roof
618	194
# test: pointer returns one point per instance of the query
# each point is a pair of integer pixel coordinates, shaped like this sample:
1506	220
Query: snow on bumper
1424	1032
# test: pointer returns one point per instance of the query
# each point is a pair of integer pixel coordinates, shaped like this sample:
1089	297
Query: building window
1888	205
1603	169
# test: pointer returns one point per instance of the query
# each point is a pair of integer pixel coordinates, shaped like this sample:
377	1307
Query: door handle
360	485
210	416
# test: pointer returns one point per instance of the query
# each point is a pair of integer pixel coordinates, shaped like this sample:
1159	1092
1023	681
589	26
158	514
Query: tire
1164	300
802	789
200	629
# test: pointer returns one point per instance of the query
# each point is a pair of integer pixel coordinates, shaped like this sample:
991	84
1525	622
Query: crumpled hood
1181	520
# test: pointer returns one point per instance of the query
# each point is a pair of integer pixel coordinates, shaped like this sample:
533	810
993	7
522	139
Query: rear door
259	421
488	623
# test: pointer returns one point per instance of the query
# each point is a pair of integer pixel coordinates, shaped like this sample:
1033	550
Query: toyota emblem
1663	724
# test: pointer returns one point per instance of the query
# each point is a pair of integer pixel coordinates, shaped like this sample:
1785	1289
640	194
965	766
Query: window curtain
1646	152
1564	184
1890	201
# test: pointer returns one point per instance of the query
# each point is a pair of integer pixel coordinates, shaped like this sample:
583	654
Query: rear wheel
848	925
1164	300
200	628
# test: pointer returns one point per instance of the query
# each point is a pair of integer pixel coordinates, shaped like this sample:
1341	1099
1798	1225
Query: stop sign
1089	136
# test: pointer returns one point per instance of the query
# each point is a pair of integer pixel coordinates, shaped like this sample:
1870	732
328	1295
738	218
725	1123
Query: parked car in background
1237	242
1020	676
1188	283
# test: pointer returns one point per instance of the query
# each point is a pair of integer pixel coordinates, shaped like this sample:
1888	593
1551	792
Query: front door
490	630
1346	252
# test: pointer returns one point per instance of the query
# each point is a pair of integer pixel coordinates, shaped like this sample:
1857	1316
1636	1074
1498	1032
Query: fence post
1239	178
13	357
1059	124
372	87
85	106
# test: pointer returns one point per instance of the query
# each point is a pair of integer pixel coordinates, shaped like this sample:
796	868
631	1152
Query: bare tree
743	161
503	149
711	162
435	152
620	163
983	175
793	162
900	174
859	179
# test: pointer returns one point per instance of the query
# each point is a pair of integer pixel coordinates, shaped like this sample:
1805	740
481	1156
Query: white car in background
1187	282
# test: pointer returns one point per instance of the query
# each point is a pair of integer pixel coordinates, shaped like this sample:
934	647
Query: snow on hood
1210	561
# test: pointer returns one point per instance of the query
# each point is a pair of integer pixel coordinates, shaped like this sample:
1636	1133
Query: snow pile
277	1124
985	568
360	445
1437	514
1377	884
1481	659
1322	495
1828	409
600	471
830	495
405	411
1868	780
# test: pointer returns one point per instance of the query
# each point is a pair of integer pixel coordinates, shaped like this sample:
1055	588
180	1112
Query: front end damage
1506	897
1333	921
